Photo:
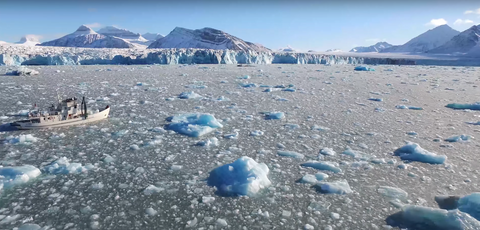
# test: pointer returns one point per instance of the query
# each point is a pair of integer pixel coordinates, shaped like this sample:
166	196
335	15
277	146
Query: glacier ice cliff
14	56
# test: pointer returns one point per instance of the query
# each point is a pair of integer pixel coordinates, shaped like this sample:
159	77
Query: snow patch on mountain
373	48
86	37
206	38
29	40
429	40
152	36
288	49
125	34
333	51
465	42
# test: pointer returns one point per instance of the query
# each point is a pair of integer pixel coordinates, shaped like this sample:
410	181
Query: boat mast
85	107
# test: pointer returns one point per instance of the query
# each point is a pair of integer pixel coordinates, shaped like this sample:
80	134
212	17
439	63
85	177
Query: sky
301	24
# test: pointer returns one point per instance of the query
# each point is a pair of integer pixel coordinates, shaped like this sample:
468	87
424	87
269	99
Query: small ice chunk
363	68
322	165
290	154
327	151
30	227
208	199
320	128
189	95
243	177
413	152
321	176
337	187
256	133
356	154
22	71
151	212
308	179
25	139
393	193
221	223
63	166
209	142
152	189
459	138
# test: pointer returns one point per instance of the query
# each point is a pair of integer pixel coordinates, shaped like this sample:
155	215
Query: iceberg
21	139
470	204
244	177
475	106
16	175
425	218
363	68
193	124
274	116
413	152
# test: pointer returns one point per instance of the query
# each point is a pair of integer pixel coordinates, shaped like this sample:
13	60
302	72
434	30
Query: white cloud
94	25
460	22
437	22
477	11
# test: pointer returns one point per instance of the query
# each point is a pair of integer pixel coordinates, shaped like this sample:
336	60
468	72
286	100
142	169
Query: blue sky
303	24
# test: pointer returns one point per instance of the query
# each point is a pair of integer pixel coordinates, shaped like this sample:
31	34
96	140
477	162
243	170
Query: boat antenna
85	107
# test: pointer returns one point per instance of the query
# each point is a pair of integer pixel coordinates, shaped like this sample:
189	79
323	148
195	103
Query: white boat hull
76	121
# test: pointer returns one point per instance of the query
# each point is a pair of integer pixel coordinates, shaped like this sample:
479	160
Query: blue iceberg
413	152
16	175
193	124
459	138
475	106
363	68
274	116
189	95
244	177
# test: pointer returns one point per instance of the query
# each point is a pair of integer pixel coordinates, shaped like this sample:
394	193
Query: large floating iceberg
243	177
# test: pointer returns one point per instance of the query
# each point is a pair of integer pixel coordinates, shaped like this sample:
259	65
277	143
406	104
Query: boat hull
78	121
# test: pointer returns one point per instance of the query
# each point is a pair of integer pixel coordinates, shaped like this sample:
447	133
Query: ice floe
337	187
290	154
323	165
459	138
63	166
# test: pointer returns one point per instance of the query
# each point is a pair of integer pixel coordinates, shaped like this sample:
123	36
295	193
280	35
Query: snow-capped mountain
3	43
333	50
429	40
462	43
206	38
374	48
287	49
86	37
152	37
124	34
28	40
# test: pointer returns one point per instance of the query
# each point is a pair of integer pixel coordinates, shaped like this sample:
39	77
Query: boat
67	112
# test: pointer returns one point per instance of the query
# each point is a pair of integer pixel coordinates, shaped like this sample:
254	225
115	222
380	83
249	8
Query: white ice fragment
256	133
338	187
393	193
247	178
208	199
308	179
327	151
193	124
290	154
21	139
209	142
151	189
221	223
63	166
151	212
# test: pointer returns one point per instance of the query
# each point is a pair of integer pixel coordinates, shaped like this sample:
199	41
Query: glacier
14	56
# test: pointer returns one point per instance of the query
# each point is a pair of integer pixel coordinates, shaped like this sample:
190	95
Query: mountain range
439	40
